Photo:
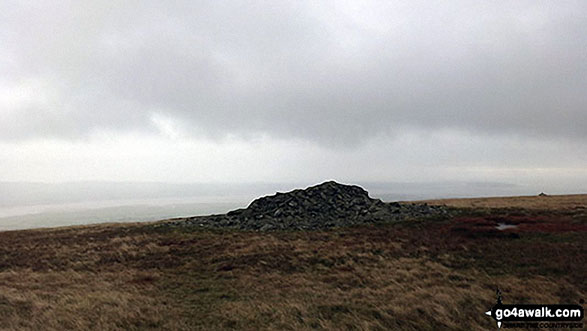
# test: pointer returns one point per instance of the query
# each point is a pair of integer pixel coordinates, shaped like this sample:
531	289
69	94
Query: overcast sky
274	91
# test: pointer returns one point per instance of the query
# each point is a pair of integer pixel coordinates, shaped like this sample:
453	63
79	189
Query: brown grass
417	275
550	202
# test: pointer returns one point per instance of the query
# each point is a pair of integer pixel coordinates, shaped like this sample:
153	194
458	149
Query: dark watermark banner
536	315
542	325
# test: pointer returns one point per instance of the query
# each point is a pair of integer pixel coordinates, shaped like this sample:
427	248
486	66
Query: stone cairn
327	205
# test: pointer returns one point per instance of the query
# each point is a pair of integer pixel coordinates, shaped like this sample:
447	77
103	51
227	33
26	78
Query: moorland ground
421	274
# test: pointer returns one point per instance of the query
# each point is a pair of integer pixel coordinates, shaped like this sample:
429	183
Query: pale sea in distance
117	211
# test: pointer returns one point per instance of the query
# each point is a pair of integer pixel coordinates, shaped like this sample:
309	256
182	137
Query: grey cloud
328	72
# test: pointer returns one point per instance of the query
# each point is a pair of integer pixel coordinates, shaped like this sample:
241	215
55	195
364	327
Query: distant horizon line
258	182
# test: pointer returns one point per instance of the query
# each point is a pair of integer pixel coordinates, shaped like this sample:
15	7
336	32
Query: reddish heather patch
474	227
558	226
487	225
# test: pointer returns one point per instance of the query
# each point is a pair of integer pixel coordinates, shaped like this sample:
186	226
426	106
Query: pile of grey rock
327	205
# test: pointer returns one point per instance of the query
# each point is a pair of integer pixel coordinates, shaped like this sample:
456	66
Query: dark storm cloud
335	73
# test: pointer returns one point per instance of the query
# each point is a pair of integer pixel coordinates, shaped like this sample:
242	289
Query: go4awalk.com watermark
546	316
